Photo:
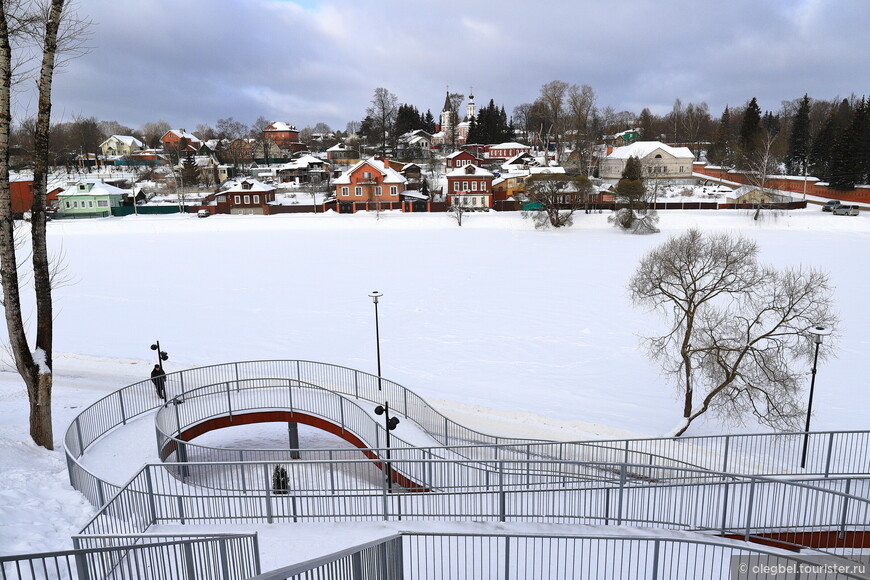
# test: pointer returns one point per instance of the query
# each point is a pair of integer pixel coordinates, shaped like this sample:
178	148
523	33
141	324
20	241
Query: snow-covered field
507	329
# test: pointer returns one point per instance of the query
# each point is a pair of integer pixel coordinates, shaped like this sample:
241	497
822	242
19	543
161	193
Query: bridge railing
756	507
451	556
828	454
218	556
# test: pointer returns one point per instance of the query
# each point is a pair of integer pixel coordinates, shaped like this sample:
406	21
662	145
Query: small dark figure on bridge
158	377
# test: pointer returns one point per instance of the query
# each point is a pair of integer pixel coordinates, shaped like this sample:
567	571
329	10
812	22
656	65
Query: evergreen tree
750	129
720	151
849	159
429	122
189	171
799	140
645	124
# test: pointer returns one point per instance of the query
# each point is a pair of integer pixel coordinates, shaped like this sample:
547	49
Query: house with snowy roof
90	198
470	186
245	197
505	151
181	141
119	145
306	169
284	135
461	158
369	182
659	161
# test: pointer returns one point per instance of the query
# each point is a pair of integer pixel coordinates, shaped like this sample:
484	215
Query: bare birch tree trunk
33	366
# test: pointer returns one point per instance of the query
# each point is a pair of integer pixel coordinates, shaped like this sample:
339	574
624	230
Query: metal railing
216	556
751	508
446	556
829	453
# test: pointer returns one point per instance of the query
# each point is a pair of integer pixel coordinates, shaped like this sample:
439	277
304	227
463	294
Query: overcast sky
195	61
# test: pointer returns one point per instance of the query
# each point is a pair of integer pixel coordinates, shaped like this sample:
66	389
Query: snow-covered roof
642	149
458	153
96	188
182	134
338	147
553	169
280	126
510	145
390	175
255	186
125	139
469	170
414	194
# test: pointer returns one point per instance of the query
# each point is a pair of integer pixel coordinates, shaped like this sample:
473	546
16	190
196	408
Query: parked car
831	205
203	213
846	210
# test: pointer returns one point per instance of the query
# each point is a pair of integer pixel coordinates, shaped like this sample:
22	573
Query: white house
659	161
120	145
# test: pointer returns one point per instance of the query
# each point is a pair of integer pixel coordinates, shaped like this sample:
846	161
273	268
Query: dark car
831	205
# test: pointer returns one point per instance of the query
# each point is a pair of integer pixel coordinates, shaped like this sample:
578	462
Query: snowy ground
507	329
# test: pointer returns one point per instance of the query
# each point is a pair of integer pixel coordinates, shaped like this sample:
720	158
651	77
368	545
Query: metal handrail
714	452
422	555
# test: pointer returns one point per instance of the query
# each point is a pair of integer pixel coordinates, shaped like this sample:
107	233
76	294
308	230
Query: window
455	186
345	191
378	190
473	201
102	203
76	204
394	190
357	191
256	199
367	175
464	186
247	199
473	186
67	205
237	199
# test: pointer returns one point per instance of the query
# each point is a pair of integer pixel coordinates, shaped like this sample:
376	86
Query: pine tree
849	157
799	140
645	124
429	122
189	171
750	129
720	151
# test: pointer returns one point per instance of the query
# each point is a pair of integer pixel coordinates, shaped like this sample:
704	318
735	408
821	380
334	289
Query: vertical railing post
385	501
331	473
622	477
188	561
79	435
229	402
269	517
842	533
830	454
502	503
507	558
655	564
236	367
749	507
121	404
222	554
725	454
341	412
81	560
356	572
150	486
181	380
727	487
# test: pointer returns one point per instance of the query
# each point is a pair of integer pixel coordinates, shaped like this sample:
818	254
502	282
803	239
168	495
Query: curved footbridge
750	487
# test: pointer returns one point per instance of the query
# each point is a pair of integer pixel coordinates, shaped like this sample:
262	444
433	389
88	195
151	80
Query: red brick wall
860	194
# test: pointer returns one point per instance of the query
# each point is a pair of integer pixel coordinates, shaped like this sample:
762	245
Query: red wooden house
470	186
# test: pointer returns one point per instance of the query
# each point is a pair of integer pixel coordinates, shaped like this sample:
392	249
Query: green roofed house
89	198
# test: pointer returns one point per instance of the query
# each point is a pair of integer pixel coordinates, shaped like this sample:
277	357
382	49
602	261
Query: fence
544	557
828	453
216	556
754	508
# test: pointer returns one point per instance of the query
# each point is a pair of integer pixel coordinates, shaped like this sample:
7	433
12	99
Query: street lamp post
375	295
818	332
389	424
161	354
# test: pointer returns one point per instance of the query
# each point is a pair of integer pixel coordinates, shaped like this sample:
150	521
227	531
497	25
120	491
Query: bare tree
382	112
581	107
734	327
153	131
761	164
553	96
56	31
555	197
